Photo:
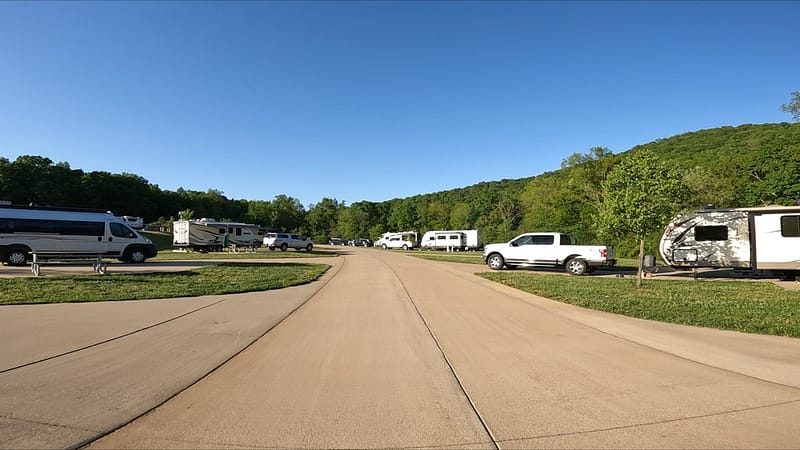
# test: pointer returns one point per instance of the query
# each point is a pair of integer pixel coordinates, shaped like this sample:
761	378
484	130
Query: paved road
386	351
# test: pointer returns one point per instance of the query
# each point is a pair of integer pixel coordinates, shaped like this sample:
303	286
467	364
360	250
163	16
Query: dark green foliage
748	165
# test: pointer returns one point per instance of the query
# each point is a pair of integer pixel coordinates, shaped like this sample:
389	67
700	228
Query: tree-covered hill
747	165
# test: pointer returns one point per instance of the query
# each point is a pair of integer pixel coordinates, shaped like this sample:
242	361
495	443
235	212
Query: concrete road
392	351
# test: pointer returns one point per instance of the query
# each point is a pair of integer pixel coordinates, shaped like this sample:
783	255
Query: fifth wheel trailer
206	235
766	238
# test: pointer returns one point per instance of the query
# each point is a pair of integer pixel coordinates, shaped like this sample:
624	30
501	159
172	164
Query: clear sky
377	100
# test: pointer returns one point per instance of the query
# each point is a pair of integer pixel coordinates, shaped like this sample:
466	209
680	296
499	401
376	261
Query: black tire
135	255
309	247
284	247
405	247
384	246
495	261
576	266
17	256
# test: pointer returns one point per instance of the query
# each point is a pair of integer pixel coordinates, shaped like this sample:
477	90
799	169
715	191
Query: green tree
322	219
639	196
793	107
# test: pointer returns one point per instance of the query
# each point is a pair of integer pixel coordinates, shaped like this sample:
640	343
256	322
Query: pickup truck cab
548	250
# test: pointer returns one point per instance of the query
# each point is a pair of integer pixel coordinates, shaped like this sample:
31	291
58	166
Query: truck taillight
604	253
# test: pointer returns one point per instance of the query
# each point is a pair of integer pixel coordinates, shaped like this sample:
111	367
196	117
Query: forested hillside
748	165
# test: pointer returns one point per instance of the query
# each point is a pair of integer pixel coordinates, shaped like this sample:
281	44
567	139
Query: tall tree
639	196
793	106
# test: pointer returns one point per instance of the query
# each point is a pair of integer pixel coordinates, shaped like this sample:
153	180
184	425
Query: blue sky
377	100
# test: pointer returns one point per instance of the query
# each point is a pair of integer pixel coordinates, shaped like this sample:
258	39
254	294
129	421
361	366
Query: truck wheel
284	246
405	247
384	246
309	247
495	261
17	256
576	266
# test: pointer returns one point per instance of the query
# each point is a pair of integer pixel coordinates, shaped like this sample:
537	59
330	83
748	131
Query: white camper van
765	238
209	235
52	232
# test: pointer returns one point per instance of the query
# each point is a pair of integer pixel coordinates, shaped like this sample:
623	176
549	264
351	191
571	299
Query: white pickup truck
548	249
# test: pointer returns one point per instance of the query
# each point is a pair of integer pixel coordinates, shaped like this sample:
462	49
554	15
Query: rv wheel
135	255
17	256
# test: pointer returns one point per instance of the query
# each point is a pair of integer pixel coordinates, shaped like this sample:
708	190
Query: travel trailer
209	235
51	232
406	240
766	238
452	239
443	240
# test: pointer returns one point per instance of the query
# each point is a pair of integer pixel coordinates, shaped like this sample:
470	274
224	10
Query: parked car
285	241
361	242
337	241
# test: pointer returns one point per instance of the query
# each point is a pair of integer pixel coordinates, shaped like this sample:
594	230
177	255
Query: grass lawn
227	278
751	307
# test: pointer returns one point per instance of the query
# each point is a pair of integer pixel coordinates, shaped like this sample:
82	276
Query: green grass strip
228	278
751	307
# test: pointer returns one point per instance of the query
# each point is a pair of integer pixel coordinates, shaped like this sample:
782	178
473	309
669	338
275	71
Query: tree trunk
640	269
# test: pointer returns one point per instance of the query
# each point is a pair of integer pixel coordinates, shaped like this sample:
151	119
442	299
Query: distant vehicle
285	241
406	240
210	235
337	241
765	238
548	249
53	232
137	223
361	242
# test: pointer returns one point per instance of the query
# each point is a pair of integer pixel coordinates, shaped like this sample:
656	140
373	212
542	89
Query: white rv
209	235
765	238
51	232
406	240
137	223
444	240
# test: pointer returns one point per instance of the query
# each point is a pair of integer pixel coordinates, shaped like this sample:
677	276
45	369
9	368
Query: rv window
543	240
63	227
711	233
238	231
790	226
441	237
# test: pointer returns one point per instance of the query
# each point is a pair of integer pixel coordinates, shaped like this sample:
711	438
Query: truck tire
309	247
495	261
384	246
405	247
17	256
576	266
284	247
